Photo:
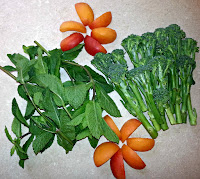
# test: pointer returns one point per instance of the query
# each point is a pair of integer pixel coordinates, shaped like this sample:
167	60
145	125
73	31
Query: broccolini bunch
161	78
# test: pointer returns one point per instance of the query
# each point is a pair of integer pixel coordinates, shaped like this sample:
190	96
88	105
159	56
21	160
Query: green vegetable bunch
161	78
66	109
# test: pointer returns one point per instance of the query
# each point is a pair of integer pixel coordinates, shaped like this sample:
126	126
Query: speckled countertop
177	150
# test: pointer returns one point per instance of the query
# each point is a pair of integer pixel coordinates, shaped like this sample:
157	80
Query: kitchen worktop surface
176	154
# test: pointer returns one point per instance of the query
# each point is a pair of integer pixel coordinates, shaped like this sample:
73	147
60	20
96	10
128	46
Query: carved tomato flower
111	151
100	34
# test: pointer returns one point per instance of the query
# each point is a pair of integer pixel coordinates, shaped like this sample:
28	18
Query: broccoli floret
161	97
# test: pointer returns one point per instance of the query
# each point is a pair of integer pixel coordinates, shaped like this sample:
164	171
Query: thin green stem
21	137
37	109
39	45
8	73
64	136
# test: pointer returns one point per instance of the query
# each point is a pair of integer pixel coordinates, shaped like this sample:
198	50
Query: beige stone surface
176	154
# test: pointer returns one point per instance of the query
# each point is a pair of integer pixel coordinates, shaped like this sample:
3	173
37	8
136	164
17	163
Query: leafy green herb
68	111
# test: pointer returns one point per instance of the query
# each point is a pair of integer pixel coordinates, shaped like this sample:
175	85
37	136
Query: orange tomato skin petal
102	21
112	125
141	144
128	128
72	26
104	152
104	35
117	165
85	13
132	158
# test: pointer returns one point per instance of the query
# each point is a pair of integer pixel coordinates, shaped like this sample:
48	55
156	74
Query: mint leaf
106	102
40	66
51	108
93	142
28	143
51	82
8	135
34	129
108	132
23	66
17	113
12	150
93	115
83	134
64	143
41	141
16	127
67	130
54	61
32	51
9	68
37	97
77	120
30	109
70	55
76	94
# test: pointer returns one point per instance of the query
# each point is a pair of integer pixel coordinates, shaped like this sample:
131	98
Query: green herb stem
39	45
8	73
21	137
29	96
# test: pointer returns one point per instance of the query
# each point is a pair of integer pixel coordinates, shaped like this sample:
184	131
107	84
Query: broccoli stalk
114	67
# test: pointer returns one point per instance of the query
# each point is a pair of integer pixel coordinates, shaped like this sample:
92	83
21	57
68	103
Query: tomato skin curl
102	21
72	26
71	41
92	46
104	35
85	13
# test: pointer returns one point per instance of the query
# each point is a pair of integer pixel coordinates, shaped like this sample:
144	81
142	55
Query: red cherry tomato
92	46
71	41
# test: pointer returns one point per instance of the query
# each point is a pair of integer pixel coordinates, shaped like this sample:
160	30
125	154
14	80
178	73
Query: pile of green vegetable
156	89
159	83
69	110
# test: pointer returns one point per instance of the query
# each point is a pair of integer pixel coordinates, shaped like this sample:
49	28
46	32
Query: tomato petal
104	152
92	46
117	165
85	13
71	41
128	128
132	158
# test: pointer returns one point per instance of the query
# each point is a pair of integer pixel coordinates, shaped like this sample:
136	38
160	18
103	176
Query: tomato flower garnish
100	34
111	151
